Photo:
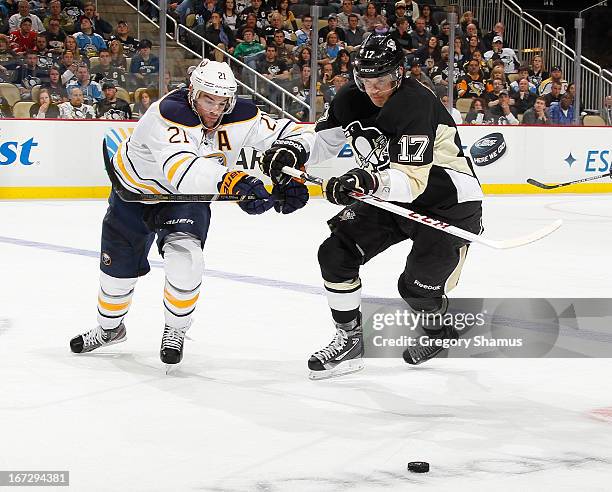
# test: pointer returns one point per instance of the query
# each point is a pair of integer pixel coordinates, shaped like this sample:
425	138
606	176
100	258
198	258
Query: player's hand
337	190
290	197
284	152
239	183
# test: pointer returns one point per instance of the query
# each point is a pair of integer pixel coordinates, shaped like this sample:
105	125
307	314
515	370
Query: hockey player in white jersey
185	143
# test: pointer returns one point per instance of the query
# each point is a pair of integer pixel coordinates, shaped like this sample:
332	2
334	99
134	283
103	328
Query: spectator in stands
537	73
29	75
68	67
372	17
229	14
417	73
44	106
339	81
492	97
472	31
221	36
430	50
144	99
112	107
562	113
276	24
250	47
23	39
70	44
343	16
118	59
536	115
301	89
106	72
408	9
330	49
203	10
473	84
473	45
91	91
75	108
144	66
554	96
23	12
439	73
5	109
501	112
57	90
523	97
454	112
303	34
606	111
354	33
303	58
283	50
9	60
56	38
477	113
342	64
444	35
65	22
556	76
403	36
430	24
327	74
89	42
130	44
420	35
260	13
498	73
498	30
251	23
288	18
274	69
466	20
506	55
99	25
332	26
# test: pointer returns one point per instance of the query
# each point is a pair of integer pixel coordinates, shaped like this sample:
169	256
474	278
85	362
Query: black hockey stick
129	196
552	187
435	223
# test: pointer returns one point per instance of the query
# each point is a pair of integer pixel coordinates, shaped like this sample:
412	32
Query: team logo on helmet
370	146
391	44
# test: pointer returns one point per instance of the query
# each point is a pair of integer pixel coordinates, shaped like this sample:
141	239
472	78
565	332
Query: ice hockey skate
427	347
342	356
171	351
96	338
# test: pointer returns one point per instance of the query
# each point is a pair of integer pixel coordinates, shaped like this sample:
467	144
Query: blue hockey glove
291	196
284	152
239	183
337	190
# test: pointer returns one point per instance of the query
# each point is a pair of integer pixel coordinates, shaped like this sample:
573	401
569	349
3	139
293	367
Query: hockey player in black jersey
409	152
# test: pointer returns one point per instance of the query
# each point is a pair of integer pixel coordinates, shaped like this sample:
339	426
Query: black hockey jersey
412	133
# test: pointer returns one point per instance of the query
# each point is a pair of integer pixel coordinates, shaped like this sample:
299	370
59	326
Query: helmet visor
384	83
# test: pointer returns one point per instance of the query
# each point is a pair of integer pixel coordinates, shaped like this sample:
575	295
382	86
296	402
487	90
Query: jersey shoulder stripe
176	109
243	111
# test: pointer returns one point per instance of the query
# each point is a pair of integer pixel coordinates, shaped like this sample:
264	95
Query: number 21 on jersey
412	148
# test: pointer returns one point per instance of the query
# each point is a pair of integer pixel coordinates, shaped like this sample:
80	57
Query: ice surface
240	414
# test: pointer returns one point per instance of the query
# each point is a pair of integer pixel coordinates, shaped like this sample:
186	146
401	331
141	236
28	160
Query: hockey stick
437	224
129	196
552	187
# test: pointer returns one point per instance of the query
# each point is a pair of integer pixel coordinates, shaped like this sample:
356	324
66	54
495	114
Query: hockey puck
418	466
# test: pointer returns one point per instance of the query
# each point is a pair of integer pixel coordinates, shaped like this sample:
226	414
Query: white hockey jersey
170	151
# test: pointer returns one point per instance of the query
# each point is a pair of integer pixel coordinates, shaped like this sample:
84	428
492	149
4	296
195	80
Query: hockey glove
290	197
337	190
284	152
242	184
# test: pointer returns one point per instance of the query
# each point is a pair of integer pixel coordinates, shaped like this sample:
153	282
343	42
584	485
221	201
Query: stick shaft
559	185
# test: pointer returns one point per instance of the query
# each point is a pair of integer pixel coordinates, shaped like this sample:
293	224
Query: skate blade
170	368
347	367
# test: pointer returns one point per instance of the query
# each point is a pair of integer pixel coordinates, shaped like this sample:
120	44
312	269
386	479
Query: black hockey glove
239	183
284	152
290	197
337	190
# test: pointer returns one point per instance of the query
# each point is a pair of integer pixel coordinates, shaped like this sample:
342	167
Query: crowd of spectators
64	58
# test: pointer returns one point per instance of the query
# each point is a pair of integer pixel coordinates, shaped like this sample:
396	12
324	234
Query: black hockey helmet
379	55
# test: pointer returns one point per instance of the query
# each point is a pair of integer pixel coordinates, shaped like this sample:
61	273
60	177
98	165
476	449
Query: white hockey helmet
214	78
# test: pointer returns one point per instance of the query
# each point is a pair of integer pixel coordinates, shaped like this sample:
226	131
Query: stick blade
541	185
527	239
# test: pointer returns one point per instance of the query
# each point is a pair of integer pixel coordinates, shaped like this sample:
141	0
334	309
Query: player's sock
97	337
114	299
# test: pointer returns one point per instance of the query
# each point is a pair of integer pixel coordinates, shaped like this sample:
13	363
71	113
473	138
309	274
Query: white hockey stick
437	224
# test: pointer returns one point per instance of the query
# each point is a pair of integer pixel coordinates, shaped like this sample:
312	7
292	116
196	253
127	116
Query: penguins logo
370	145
